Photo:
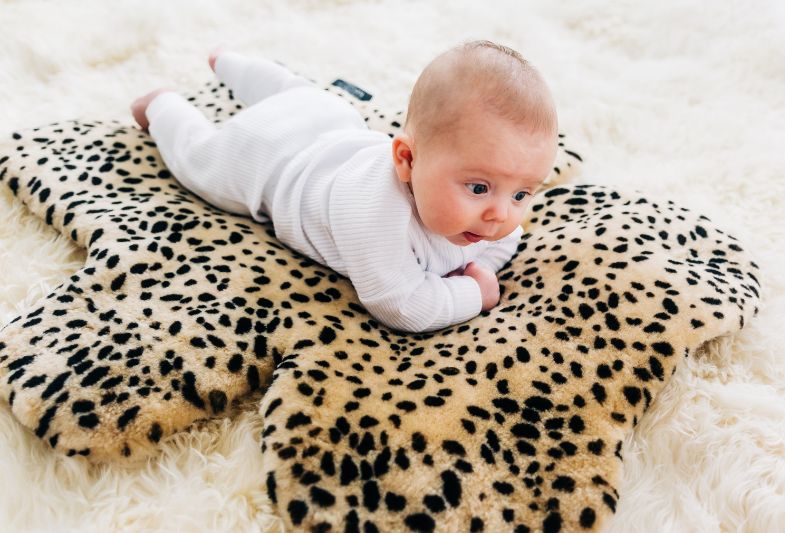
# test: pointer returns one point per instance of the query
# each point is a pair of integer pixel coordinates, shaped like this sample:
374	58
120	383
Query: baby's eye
519	196
477	188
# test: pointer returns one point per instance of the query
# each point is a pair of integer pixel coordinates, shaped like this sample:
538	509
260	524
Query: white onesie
305	158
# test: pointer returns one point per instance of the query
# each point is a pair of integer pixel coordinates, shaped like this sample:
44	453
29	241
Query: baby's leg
206	160
253	80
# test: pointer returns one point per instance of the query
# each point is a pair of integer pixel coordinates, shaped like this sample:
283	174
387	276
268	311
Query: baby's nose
496	213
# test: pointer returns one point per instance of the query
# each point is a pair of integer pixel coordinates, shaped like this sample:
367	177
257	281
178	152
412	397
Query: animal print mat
511	422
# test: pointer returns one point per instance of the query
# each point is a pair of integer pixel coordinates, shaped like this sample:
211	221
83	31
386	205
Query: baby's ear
403	156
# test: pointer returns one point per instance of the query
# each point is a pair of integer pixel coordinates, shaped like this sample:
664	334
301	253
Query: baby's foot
139	107
218	51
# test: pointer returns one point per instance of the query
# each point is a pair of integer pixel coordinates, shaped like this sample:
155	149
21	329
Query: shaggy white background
680	98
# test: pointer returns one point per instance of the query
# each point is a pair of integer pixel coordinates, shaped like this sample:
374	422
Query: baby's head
480	136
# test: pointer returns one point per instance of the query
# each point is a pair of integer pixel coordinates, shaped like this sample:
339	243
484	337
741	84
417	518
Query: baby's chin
458	240
466	238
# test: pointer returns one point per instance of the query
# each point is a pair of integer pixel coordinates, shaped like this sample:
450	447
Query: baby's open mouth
472	237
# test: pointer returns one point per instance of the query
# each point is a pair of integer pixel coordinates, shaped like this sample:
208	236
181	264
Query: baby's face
477	184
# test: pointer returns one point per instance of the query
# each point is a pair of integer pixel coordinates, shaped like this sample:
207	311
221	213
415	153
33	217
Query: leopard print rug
511	422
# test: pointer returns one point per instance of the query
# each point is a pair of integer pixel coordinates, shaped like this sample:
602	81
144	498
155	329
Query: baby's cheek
520	213
449	215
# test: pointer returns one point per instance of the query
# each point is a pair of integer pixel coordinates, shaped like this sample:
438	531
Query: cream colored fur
680	99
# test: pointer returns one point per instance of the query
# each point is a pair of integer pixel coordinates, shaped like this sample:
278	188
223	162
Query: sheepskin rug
683	99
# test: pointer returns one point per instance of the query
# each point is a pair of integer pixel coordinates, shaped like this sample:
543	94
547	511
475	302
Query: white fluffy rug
676	97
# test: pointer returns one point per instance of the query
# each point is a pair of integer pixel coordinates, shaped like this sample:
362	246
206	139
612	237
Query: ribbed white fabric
305	158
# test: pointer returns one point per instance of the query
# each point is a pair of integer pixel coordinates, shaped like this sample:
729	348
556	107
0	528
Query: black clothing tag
353	90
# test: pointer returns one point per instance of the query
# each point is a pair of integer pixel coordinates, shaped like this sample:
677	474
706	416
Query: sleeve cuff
466	297
160	103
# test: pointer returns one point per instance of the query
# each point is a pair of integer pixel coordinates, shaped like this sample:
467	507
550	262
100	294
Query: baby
421	222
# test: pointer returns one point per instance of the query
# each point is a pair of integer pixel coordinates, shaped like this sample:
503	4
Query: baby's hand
489	285
139	107
214	56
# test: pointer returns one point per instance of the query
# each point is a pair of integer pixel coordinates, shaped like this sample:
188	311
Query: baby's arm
370	228
403	296
253	79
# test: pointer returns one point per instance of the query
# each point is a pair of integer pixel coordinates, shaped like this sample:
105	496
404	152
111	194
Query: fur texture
513	420
628	79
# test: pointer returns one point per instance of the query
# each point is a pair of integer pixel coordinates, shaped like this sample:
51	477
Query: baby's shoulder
370	179
367	197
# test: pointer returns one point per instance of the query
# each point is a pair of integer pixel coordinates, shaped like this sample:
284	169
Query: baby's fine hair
478	72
